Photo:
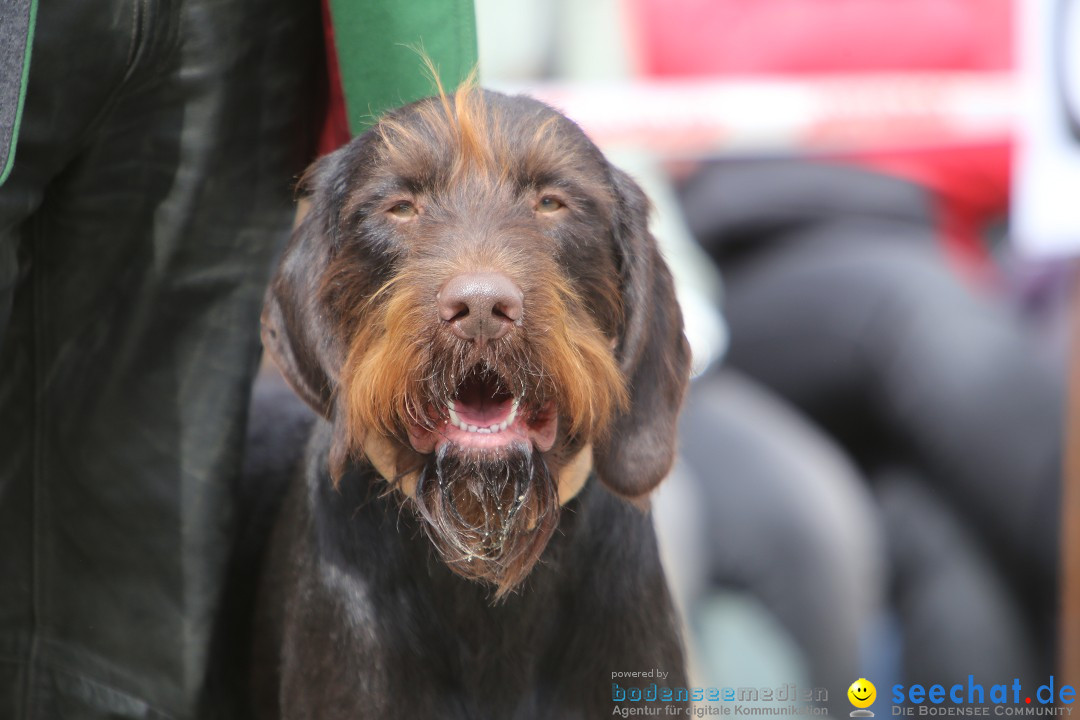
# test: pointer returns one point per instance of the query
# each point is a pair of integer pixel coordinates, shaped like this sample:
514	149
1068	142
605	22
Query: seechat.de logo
862	694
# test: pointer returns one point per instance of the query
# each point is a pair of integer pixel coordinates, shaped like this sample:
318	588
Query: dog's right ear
294	331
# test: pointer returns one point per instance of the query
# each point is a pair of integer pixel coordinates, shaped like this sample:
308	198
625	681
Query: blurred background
870	476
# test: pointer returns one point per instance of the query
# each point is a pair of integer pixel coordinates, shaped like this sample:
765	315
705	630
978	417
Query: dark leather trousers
150	192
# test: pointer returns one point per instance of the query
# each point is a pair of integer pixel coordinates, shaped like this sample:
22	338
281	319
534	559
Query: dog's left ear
653	354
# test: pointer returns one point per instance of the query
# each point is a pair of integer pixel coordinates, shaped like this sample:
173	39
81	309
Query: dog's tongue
484	416
482	402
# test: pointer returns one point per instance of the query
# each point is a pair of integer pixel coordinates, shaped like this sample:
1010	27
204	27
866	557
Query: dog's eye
404	210
549	204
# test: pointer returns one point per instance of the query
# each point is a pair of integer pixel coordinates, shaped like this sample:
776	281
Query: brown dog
474	306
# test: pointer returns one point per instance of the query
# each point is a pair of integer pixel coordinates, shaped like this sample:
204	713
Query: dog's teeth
457	422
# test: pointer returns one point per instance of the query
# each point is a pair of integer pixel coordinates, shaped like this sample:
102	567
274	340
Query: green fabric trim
9	161
377	46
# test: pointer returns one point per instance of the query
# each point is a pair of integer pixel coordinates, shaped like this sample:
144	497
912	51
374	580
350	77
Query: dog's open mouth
485	415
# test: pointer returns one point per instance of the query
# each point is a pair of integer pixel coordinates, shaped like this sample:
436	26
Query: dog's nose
480	306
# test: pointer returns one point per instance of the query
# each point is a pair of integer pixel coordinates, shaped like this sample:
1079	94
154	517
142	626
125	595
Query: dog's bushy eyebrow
386	187
538	180
369	197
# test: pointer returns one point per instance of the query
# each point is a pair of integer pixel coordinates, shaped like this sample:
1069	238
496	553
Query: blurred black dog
477	313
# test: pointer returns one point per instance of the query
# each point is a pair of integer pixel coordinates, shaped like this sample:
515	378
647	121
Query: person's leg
68	88
144	221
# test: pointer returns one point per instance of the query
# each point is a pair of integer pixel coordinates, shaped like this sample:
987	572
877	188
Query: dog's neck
382	455
363	505
598	582
368	515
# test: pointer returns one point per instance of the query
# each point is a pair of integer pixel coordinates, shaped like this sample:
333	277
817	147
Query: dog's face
473	299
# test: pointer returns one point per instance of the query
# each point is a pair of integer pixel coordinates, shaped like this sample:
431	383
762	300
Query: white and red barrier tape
800	114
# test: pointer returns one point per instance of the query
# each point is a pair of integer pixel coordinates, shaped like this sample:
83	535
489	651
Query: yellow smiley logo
862	693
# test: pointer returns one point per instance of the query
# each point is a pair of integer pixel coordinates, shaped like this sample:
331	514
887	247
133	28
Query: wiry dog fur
415	570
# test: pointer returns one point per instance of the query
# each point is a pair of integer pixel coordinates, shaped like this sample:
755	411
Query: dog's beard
489	515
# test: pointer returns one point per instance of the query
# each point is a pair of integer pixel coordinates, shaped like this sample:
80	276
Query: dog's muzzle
483	414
